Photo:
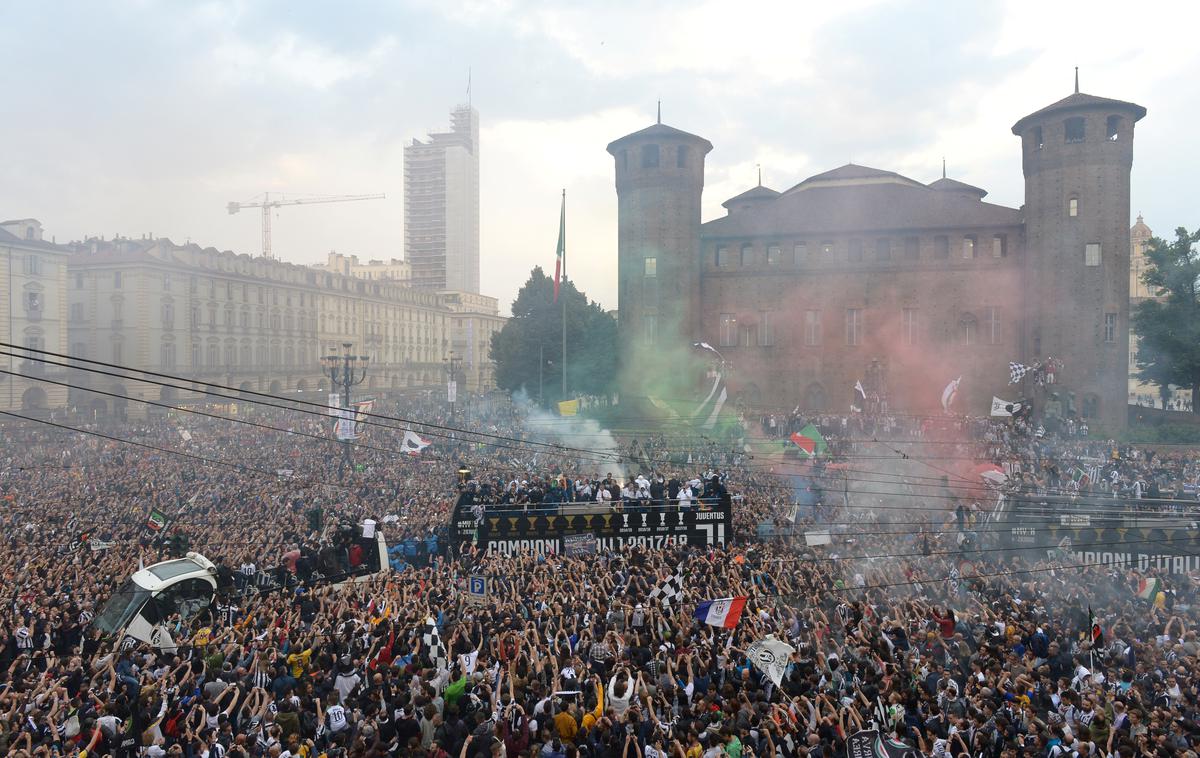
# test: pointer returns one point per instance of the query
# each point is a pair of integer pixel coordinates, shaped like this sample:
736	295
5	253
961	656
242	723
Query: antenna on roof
1077	80
943	167
660	111
468	86
759	167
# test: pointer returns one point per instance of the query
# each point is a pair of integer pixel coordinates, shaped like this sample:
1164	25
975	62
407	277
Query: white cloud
291	58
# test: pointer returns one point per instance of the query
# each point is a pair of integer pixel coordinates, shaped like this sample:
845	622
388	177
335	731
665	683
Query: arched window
1091	406
968	329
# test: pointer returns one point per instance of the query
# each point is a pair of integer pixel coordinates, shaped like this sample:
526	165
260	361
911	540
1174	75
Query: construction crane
267	204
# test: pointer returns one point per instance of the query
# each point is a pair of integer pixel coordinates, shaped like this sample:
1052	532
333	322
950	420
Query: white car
144	606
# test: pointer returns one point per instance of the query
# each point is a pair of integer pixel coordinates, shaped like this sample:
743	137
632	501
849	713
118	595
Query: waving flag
810	441
949	393
1094	629
723	612
413	443
1016	372
1148	589
560	255
770	656
718	394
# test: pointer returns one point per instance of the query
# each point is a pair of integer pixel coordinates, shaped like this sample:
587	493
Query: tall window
118	311
912	248
968	248
856	250
649	156
854	326
1074	128
681	156
1112	128
1110	327
1091	254
167	283
1073	207
168	355
33	304
747	255
168	316
999	245
76	312
728	330
883	249
992	324
116	280
773	255
909	325
118	353
1036	138
968	329
649	328
79	281
748	336
650	267
766	329
33	264
941	247
722	258
812	328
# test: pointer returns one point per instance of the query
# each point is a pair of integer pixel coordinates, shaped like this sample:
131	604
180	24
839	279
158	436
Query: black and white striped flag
670	589
1016	372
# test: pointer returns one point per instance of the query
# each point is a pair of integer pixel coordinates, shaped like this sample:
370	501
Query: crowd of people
897	630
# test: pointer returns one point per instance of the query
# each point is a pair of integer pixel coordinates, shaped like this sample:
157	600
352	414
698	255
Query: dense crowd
946	650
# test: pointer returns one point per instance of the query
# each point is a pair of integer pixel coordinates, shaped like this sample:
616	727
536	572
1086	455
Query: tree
534	333
1169	326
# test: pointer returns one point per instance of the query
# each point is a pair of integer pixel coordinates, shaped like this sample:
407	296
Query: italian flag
723	612
560	254
1148	589
809	440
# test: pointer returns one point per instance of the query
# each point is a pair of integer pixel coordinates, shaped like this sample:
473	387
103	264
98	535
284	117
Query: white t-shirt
337	718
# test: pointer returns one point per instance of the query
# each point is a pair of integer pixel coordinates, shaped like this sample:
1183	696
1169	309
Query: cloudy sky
137	116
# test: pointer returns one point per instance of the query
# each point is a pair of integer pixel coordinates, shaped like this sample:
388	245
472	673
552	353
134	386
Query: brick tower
660	177
1077	154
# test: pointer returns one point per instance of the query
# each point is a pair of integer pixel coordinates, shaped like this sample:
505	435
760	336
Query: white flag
1004	407
413	443
859	388
770	656
949	393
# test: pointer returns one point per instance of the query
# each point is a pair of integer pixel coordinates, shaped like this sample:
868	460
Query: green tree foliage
536	326
1169	329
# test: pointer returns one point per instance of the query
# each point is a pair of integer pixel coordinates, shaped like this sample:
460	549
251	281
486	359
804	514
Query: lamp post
451	363
345	371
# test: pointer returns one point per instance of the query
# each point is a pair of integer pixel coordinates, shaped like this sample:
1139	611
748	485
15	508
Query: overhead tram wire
779	486
322	411
596	456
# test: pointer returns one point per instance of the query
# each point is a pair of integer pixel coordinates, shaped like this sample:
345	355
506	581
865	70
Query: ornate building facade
243	322
33	314
803	290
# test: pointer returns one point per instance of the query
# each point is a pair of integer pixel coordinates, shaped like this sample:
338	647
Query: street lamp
345	371
451	364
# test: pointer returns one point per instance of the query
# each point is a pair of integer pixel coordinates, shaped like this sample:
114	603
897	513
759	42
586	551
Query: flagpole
563	298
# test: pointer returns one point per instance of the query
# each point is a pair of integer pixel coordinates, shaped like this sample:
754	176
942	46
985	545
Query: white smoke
592	447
